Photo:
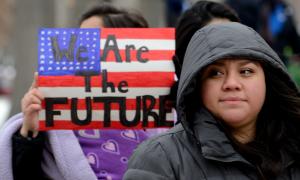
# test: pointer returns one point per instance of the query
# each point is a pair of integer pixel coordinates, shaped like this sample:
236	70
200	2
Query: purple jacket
61	152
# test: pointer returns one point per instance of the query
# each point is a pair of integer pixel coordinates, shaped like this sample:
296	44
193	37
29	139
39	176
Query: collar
213	141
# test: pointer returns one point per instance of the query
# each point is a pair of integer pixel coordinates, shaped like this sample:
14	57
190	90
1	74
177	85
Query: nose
231	82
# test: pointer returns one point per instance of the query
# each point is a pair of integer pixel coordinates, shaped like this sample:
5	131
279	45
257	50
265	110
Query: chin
233	119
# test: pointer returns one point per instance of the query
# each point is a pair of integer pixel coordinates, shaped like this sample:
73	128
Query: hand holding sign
31	105
129	90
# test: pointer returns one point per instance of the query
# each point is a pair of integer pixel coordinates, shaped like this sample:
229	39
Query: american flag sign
105	78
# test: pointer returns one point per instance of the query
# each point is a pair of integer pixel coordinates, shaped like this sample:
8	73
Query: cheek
209	94
257	93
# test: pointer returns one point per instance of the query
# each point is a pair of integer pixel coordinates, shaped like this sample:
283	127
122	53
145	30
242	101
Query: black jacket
198	148
27	157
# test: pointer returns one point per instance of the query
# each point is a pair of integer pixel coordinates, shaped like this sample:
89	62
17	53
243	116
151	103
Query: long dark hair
277	128
114	17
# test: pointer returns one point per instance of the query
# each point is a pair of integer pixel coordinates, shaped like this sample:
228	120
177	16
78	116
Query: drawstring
260	173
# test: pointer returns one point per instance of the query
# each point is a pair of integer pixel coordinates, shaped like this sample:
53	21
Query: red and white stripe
155	77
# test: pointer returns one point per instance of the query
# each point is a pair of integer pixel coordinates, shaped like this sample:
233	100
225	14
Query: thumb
35	80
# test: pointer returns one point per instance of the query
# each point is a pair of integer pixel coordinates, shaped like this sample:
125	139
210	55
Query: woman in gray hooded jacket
239	114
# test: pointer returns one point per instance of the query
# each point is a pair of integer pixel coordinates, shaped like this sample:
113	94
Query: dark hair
189	22
277	128
113	17
194	19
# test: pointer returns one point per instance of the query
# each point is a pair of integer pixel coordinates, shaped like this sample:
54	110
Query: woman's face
234	90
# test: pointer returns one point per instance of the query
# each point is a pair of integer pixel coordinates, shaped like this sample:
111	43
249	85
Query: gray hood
215	42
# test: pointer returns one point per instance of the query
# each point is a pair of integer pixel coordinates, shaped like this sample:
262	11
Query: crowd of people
237	108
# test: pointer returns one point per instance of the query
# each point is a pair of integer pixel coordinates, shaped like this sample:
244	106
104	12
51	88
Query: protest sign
105	78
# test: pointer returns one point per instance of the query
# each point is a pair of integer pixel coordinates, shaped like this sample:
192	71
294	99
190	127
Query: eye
246	71
214	73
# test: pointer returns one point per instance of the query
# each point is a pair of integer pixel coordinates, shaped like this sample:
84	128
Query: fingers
31	104
37	93
33	96
32	108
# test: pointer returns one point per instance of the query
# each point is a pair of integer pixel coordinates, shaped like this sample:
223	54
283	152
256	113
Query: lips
231	99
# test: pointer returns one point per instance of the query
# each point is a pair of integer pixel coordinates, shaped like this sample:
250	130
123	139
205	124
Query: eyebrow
241	63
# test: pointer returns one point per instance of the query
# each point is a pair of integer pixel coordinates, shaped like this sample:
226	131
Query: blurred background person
275	21
278	28
248	11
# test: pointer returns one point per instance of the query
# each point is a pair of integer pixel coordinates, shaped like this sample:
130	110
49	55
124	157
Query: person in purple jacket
83	154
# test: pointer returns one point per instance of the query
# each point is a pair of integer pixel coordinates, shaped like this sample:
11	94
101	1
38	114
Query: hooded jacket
197	148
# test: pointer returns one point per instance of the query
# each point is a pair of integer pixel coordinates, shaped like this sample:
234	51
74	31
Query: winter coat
198	148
